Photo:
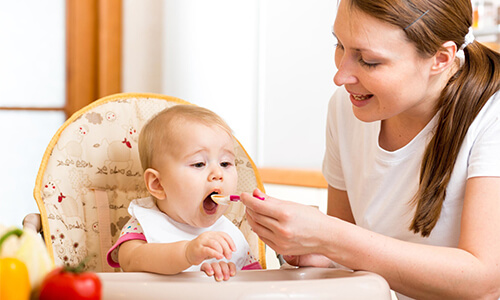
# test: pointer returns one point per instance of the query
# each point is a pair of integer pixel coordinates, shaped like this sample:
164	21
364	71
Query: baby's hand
221	270
211	244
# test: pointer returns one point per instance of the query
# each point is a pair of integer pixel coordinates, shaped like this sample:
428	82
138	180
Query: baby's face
200	161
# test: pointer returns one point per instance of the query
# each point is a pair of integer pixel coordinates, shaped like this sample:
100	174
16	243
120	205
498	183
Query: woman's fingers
285	226
293	260
264	212
271	244
265	206
260	225
259	194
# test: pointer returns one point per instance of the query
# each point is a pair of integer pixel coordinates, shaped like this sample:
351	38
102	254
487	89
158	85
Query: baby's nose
215	174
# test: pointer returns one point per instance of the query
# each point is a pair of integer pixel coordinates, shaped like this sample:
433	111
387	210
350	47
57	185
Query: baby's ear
153	184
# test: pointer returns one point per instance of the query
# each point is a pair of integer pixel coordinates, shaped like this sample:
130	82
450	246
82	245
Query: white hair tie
469	38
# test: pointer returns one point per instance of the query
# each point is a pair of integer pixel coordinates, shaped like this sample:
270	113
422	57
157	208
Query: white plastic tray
296	283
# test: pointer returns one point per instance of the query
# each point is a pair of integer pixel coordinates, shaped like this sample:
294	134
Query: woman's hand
221	270
210	244
309	260
287	227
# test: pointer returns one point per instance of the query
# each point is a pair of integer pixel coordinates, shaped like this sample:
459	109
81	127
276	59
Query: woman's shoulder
494	100
490	113
481	144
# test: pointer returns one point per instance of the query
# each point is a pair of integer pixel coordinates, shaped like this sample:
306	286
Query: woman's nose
345	74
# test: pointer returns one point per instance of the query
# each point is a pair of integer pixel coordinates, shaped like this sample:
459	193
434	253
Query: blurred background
265	66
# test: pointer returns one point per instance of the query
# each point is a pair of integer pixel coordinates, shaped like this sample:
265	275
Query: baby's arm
173	258
162	258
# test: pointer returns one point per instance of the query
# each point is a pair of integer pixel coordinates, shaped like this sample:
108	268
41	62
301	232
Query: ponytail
460	102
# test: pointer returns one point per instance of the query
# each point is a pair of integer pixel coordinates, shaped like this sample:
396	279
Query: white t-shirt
380	183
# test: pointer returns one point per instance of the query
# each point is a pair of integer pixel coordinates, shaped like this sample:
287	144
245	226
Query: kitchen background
266	66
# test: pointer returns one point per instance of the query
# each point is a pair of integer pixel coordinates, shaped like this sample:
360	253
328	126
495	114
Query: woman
412	158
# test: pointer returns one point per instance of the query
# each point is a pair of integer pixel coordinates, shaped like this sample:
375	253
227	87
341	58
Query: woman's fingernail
261	198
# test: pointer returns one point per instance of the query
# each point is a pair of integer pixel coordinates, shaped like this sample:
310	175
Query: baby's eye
226	164
198	165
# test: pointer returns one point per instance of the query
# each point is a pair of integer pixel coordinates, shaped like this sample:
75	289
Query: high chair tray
296	283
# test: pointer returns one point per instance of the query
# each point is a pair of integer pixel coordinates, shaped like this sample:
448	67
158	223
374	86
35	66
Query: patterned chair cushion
91	171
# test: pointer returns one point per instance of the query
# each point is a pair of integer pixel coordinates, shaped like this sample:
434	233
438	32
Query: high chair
91	171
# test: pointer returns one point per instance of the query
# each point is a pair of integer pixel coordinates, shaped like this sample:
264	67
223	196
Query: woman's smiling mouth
360	100
361	97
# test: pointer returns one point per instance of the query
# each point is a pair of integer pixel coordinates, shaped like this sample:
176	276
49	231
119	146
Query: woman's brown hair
428	24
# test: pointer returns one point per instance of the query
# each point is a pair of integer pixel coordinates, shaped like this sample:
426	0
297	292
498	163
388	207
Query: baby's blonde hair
157	132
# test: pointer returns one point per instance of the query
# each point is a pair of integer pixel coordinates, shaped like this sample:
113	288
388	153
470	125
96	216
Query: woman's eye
198	165
339	46
367	64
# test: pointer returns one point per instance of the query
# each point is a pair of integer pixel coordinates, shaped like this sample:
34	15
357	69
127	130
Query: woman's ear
444	58
153	184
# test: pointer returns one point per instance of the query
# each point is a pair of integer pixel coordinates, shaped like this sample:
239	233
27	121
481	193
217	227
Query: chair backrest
91	171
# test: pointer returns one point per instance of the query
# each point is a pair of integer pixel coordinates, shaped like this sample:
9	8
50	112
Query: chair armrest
32	222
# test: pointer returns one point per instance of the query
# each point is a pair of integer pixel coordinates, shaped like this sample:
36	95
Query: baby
187	154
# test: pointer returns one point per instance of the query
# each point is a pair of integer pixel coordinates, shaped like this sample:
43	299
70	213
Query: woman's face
380	68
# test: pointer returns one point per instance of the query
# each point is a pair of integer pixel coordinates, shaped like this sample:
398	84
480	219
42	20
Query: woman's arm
338	205
471	271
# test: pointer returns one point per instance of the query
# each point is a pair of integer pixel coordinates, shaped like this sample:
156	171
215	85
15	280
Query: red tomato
64	284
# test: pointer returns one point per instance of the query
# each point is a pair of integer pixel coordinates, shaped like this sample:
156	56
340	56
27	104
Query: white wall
32	73
265	66
297	68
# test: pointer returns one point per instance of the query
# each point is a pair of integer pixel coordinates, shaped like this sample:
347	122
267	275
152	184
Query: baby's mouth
209	206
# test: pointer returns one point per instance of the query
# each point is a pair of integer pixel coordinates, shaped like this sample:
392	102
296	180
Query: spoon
225	200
